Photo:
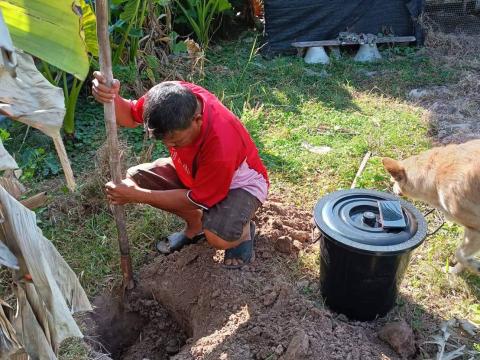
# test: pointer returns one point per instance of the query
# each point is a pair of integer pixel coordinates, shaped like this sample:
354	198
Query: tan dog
447	178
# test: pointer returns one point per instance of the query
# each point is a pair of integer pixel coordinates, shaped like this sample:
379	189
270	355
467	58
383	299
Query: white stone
418	93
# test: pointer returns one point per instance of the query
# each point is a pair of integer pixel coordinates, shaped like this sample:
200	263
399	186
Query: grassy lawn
285	104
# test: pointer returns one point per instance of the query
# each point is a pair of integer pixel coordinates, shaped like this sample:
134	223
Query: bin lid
370	221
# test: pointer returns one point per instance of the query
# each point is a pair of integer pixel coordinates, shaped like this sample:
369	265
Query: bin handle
438	227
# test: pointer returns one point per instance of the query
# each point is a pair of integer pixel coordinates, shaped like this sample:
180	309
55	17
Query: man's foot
241	255
176	241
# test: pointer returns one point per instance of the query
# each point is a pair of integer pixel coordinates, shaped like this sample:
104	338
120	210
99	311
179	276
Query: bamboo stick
112	140
360	169
62	155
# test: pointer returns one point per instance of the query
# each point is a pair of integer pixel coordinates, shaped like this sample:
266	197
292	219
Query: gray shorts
225	219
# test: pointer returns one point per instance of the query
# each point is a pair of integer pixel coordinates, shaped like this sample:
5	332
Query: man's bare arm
104	94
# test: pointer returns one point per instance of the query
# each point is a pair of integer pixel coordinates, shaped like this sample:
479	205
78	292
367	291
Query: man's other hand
123	193
101	92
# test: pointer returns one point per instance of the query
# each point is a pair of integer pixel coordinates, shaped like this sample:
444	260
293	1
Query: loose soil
134	328
187	306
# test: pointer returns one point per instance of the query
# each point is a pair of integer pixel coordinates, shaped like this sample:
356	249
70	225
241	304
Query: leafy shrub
201	14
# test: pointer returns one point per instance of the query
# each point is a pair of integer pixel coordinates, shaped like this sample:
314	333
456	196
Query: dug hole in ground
187	306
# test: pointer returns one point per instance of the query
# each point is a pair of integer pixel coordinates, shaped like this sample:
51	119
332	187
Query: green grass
88	240
73	349
283	105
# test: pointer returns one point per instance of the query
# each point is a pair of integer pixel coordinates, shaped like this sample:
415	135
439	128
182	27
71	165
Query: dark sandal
176	241
244	251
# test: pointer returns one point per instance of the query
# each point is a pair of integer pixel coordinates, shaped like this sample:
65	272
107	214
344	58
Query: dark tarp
310	20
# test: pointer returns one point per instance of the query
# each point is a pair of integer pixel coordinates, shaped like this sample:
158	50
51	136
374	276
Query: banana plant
62	36
49	30
72	86
200	15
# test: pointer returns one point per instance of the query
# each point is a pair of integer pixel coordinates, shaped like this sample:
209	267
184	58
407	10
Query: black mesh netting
311	20
453	16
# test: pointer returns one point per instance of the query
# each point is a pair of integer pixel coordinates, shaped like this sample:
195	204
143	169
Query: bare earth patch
454	110
187	303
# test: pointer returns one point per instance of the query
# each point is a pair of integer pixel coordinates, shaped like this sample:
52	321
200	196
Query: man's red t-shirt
222	146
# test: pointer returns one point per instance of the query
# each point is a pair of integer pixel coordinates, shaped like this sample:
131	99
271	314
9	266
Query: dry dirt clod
172	347
302	236
278	208
270	298
400	337
418	94
186	260
298	347
284	244
297	246
277	224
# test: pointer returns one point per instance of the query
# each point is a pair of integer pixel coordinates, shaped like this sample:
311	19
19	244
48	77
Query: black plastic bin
364	251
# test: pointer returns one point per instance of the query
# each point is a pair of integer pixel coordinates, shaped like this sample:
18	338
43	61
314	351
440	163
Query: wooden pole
112	140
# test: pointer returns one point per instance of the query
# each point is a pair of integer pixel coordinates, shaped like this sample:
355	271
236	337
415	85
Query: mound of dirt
187	306
256	313
287	228
250	314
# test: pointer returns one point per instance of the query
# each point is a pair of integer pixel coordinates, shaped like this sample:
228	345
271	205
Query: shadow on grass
284	82
287	82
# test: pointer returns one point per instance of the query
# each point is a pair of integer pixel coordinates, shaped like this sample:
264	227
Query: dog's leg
466	252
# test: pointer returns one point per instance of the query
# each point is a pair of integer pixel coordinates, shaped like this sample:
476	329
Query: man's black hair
169	106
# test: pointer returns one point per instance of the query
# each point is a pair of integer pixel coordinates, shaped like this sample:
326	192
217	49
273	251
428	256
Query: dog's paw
455	270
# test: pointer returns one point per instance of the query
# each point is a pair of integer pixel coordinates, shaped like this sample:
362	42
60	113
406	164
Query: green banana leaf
54	31
89	28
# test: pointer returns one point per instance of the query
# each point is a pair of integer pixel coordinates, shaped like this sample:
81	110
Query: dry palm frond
448	347
10	183
9	343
